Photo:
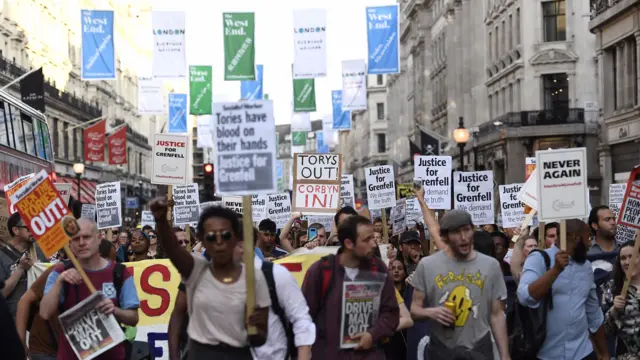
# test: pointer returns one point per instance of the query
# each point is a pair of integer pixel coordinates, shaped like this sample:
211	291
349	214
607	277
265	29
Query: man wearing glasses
267	240
15	261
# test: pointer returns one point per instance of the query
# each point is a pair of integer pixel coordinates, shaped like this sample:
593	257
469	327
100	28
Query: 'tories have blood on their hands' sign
317	183
11	189
170	159
45	213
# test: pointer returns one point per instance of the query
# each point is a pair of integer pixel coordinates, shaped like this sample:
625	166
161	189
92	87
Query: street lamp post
461	136
140	196
78	168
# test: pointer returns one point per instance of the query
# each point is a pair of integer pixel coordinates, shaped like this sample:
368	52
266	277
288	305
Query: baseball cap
454	219
409	236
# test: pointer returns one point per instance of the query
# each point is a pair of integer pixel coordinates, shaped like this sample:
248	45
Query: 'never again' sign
317	183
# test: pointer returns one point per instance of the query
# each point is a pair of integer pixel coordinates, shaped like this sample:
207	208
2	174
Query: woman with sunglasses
216	290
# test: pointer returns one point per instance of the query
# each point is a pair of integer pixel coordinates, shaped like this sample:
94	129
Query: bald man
65	287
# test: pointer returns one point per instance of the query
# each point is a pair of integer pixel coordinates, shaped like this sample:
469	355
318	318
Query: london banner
354	85
169	50
309	43
98	51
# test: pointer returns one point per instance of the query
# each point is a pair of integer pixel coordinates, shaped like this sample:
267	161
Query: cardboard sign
529	167
258	208
347	193
170	159
45	213
562	184
64	189
317	183
234	203
146	218
511	208
529	192
11	189
88	211
279	209
186	209
109	205
630	209
435	173
399	217
381	189
616	196
473	193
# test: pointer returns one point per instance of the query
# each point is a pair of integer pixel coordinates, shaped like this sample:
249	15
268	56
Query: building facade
616	25
38	34
286	150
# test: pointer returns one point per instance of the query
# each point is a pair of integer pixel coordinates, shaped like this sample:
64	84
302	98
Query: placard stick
632	265
523	226
541	234
563	234
187	229
385	229
79	268
170	208
110	234
249	253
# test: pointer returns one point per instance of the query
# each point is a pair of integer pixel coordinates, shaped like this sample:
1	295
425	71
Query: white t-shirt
218	313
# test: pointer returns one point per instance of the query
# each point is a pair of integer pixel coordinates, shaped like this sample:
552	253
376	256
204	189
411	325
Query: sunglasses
183	242
213	237
153	236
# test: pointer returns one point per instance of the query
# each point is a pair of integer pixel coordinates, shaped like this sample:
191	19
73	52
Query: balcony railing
600	6
534	118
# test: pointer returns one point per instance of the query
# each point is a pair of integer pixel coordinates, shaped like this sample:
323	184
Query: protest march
222	236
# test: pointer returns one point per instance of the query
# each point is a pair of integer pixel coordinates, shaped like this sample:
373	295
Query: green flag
299	138
239	49
200	94
304	95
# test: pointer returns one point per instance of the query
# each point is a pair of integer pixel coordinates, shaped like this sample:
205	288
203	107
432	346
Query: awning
87	189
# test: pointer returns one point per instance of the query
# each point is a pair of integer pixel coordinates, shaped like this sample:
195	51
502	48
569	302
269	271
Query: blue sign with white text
252	89
131	203
322	148
177	113
382	38
341	118
98	52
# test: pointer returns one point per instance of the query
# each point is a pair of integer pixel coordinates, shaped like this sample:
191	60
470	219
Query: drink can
451	305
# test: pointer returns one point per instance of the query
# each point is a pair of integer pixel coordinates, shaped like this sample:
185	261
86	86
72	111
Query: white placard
203	128
324	220
279	209
233	202
414	212
170	159
301	121
399	217
529	192
435	173
258	207
88	211
347	193
245	148
354	85
511	208
381	187
473	193
562	184
108	205
616	195
150	96
146	218
316	180
169	50
309	43
186	209
65	191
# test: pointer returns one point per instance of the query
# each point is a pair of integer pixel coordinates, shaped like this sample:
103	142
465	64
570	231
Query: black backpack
527	327
267	270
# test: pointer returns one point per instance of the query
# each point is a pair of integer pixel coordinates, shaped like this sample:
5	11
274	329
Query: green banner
299	138
200	94
239	46
304	95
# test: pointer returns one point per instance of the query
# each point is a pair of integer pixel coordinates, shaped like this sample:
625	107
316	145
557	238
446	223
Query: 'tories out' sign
317	183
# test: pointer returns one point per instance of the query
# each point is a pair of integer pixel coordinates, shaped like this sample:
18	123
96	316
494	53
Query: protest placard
630	209
347	193
404	190
88	211
473	193
381	190
324	220
529	167
89	331
616	195
170	159
529	192
233	202
279	209
399	217
258	207
375	214
435	173
64	189
562	184
511	208
414	212
108	205
360	306
11	189
245	148
44	212
186	209
146	218
317	183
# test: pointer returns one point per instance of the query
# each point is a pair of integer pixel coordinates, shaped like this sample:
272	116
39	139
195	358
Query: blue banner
252	89
322	148
279	175
382	38
177	113
98	52
341	118
131	203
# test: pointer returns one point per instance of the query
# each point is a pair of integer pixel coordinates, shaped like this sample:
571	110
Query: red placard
94	137
118	147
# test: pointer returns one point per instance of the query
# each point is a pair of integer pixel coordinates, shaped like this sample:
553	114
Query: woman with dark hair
623	318
139	246
397	346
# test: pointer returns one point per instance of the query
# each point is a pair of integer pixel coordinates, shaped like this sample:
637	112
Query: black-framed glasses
224	235
153	236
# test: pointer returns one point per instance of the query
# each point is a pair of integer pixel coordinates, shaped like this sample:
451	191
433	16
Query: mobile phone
313	233
417	184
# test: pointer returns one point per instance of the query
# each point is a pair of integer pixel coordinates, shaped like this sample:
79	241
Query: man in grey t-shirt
470	280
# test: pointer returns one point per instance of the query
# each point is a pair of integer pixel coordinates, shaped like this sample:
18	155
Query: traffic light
209	188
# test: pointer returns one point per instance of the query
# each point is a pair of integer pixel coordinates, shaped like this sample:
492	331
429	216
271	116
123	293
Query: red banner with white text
118	147
94	137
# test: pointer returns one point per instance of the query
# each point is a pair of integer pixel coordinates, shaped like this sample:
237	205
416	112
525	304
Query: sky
346	40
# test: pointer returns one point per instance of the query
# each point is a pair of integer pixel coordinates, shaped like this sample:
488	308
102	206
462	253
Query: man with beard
461	290
575	315
602	223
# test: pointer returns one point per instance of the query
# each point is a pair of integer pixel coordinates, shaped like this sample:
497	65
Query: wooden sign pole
79	268
541	233
385	228
523	226
632	265
248	259
170	208
187	229
563	234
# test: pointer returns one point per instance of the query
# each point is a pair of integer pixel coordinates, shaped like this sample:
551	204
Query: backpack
527	327
267	270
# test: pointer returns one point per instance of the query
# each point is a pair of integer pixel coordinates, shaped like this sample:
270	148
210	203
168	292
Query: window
74	134
65	141
518	26
39	138
379	80
382	143
4	133
81	147
16	124
503	40
555	22
556	91
29	137
140	172
380	111
55	133
489	53
510	42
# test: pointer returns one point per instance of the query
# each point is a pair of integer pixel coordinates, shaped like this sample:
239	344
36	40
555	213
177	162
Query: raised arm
180	258
430	220
284	241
